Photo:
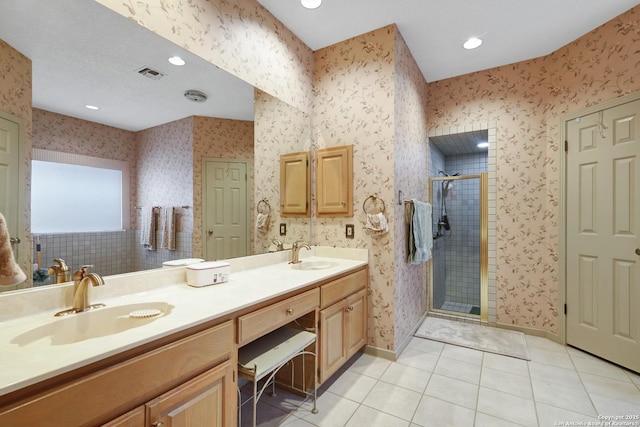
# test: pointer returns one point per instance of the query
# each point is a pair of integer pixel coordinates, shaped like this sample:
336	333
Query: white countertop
28	358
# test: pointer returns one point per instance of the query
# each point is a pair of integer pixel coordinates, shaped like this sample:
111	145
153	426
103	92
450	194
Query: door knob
209	232
638	251
16	241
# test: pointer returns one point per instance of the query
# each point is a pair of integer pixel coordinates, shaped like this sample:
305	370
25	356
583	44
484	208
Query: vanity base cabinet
201	402
93	398
343	324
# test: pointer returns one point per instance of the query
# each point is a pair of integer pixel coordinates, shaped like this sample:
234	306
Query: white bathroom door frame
208	230
567	264
12	159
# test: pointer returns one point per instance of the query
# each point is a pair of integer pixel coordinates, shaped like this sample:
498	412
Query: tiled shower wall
463	243
456	256
437	163
110	252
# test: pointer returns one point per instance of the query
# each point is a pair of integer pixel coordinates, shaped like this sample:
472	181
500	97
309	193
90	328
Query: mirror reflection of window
78	194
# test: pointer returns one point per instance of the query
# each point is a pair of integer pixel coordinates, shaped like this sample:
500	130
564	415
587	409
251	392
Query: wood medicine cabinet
295	184
334	181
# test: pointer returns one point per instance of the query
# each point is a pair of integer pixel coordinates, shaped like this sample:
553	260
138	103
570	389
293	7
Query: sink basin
96	323
314	265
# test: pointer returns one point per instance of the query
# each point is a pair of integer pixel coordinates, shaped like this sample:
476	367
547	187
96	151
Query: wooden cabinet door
334	181
356	322
295	184
332	339
133	418
208	400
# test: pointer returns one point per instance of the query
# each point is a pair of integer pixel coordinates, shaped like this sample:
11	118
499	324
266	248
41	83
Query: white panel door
603	234
225	210
10	176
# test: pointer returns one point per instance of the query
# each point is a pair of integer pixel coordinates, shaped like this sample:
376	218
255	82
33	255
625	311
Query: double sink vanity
163	353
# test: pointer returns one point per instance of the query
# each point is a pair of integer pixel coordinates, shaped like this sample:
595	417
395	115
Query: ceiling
434	30
83	53
461	143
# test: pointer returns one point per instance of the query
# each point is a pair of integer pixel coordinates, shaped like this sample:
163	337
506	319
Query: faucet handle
78	275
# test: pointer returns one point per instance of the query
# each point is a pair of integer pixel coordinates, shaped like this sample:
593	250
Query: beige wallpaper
239	36
15	99
411	165
279	129
526	100
165	169
223	139
354	96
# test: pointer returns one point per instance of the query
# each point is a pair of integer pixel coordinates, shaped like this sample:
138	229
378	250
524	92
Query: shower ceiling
460	143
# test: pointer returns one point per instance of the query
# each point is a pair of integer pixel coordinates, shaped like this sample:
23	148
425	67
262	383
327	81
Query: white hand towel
168	228
10	271
376	224
262	222
148	228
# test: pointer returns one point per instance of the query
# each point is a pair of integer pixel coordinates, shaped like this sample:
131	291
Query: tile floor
435	384
460	307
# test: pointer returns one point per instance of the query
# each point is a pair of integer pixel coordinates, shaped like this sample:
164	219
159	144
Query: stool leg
255	401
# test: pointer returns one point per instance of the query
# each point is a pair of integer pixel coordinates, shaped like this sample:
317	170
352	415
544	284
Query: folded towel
376	224
168	228
262	222
10	271
420	234
148	228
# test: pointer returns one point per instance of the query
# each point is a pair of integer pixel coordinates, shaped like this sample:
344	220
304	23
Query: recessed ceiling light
472	43
176	60
91	107
483	144
311	4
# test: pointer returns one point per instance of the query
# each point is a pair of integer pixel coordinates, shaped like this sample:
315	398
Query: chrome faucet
295	250
62	272
81	281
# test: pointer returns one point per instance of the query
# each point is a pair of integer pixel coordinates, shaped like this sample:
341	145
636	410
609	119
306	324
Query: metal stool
266	355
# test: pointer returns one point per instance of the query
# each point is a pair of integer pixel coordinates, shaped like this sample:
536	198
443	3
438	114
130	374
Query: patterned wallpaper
239	36
411	166
279	129
15	99
527	100
165	169
223	139
354	95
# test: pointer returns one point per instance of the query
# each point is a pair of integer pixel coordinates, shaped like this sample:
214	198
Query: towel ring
263	206
373	198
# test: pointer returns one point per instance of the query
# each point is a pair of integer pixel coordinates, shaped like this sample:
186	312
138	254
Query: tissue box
208	273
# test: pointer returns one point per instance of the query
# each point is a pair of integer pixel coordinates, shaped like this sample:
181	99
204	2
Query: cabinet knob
157	424
289	311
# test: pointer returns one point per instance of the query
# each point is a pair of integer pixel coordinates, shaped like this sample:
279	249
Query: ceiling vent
150	73
195	96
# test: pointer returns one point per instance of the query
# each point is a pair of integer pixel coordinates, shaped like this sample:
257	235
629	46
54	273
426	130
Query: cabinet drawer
343	287
110	392
263	321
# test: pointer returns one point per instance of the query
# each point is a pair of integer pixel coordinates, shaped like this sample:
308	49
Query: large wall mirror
84	54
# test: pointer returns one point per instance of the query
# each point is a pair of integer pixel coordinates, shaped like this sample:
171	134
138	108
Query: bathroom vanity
179	368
